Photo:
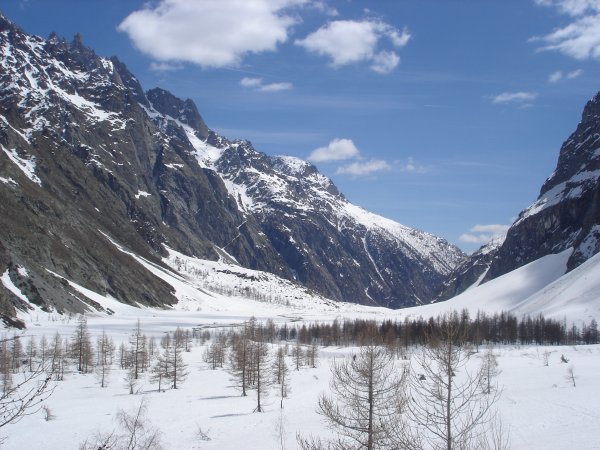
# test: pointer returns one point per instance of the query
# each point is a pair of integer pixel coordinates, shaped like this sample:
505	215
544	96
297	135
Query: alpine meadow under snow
165	287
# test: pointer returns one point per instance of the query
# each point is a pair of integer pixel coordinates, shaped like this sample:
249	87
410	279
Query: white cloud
399	39
474	239
555	77
579	39
496	229
514	97
384	62
364	168
344	41
336	150
348	42
411	166
482	234
276	87
211	33
251	82
572	7
325	8
257	83
344	149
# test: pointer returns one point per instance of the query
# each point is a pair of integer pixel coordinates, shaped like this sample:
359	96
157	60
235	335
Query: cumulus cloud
348	42
363	168
210	33
514	97
384	62
482	234
344	149
555	77
257	83
580	38
336	150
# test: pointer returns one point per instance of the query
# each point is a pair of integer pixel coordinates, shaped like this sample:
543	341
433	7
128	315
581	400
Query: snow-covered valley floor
538	403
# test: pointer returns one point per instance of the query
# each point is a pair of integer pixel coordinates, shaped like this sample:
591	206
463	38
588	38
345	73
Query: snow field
538	403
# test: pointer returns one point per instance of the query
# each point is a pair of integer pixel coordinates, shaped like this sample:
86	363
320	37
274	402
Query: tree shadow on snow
230	415
219	397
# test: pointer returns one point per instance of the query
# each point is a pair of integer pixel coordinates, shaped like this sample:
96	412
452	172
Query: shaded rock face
565	215
470	272
89	160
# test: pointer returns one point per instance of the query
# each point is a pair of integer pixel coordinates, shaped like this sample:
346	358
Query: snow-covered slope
574	295
540	287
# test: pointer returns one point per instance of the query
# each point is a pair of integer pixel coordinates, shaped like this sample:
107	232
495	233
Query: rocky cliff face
567	211
565	215
470	272
87	157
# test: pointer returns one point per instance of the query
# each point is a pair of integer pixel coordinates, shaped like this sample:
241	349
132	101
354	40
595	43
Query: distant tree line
499	328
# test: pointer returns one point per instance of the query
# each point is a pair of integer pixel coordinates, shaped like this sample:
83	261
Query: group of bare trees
432	402
61	355
256	362
25	378
255	366
170	366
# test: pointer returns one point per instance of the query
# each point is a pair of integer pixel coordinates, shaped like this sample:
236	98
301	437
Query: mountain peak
77	40
591	111
184	111
6	23
579	157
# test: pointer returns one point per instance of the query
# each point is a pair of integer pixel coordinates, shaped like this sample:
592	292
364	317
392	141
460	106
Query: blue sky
444	115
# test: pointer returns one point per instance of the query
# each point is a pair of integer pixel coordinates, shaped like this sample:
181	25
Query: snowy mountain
89	159
330	245
566	214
